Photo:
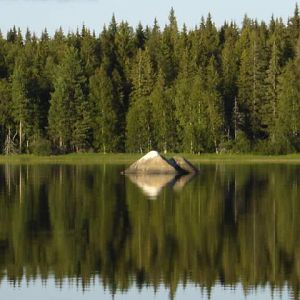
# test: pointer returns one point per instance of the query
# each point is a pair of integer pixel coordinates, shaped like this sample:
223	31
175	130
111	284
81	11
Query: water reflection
153	184
230	226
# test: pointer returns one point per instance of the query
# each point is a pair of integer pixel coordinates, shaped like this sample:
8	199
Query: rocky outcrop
154	163
185	164
151	163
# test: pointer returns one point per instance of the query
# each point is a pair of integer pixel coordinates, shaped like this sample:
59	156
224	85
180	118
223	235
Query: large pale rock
185	165
152	163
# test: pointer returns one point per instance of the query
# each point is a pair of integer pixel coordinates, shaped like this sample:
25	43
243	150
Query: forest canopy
205	89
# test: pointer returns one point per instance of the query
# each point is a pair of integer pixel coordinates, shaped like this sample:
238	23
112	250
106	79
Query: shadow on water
231	225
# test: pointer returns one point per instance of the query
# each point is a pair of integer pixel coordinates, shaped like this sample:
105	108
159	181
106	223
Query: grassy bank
121	158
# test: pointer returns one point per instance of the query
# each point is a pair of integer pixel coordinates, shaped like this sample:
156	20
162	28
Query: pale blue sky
37	14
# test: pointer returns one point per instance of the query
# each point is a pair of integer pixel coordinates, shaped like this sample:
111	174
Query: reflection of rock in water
182	181
153	184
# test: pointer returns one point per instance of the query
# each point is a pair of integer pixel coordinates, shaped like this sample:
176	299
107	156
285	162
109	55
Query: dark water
75	232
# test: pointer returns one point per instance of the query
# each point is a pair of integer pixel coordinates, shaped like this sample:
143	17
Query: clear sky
70	14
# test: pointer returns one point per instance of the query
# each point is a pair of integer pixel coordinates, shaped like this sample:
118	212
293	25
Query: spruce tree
288	124
271	106
20	101
105	134
67	115
229	67
215	108
139	122
162	116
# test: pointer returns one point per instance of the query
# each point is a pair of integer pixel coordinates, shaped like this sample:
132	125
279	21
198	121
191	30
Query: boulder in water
154	163
185	164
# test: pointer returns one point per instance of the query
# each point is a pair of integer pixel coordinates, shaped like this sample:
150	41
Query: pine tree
259	66
288	124
287	127
162	116
20	100
168	61
82	127
105	119
154	44
214	104
67	117
199	115
140	37
6	119
294	26
89	52
229	77
139	123
271	107
183	114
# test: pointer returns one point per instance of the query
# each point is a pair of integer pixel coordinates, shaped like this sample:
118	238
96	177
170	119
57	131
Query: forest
193	90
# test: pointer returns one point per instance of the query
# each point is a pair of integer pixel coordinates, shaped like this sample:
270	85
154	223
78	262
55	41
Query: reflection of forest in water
229	225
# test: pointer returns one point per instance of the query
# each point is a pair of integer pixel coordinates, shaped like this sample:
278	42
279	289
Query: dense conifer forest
205	89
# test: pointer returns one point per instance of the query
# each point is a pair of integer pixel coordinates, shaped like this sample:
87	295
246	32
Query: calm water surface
87	232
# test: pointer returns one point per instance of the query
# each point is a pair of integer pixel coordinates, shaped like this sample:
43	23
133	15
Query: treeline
207	89
227	227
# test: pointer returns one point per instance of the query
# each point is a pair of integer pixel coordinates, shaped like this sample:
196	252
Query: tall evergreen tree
67	113
229	77
288	124
164	134
139	122
21	102
105	132
271	107
215	109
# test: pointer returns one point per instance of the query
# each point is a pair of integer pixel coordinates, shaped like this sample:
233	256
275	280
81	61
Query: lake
88	232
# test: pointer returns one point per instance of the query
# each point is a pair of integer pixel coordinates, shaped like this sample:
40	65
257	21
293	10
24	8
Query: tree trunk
20	136
60	143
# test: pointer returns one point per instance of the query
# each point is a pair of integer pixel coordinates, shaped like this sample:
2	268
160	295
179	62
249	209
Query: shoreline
125	158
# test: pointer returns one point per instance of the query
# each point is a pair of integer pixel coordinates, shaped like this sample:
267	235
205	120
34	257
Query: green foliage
164	135
69	111
288	123
241	143
137	89
41	146
105	133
